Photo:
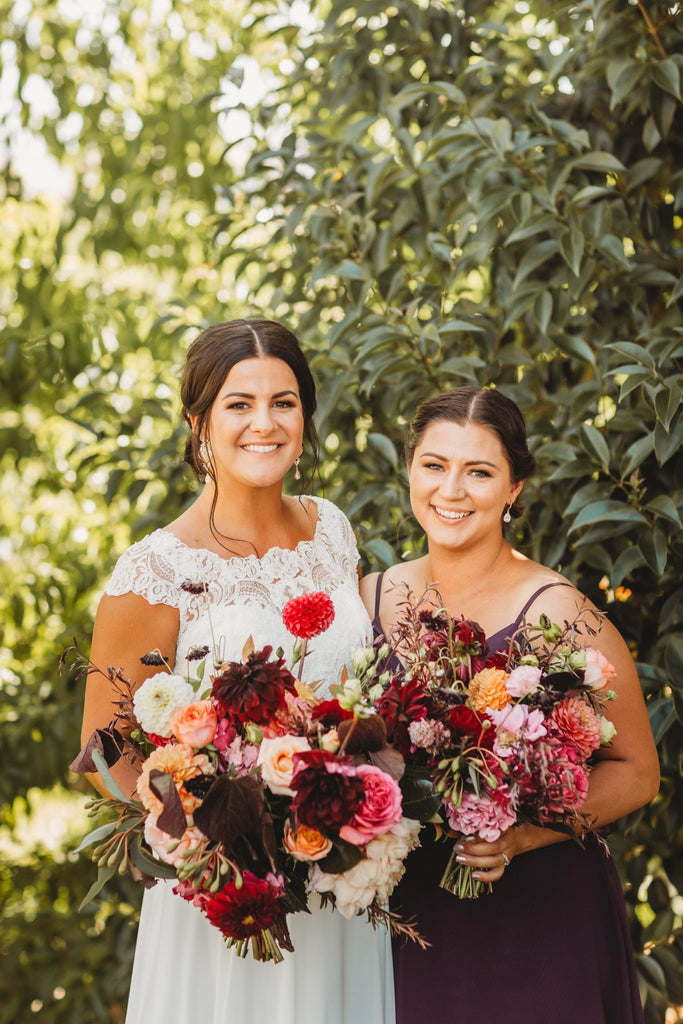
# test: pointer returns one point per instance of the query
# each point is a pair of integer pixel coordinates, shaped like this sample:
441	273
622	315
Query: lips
261	448
451	514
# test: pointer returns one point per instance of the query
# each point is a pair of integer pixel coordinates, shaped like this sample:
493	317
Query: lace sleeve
145	570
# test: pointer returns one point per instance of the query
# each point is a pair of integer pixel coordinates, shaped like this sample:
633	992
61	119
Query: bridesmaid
550	943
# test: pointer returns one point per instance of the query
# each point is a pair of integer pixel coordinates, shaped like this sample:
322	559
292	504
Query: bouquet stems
458	879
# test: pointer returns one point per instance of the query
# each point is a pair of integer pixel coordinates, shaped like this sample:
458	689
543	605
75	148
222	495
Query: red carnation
252	691
331	712
241	913
328	790
308	615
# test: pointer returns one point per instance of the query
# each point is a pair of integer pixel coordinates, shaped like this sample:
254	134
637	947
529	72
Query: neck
465	572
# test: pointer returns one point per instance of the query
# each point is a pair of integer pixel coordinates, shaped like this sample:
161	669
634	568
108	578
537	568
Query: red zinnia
241	913
308	615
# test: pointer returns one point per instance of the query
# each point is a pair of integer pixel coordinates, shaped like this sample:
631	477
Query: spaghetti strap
378	596
536	593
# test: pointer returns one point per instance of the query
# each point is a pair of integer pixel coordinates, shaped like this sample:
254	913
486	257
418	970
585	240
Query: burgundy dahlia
241	913
466	725
399	705
254	690
308	615
328	790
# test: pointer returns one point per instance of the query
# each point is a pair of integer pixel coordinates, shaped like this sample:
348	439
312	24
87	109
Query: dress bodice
245	596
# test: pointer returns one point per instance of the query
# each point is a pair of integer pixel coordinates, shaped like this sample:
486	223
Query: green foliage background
429	194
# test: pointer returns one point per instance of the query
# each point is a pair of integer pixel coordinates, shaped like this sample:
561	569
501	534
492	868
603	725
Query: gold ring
506	860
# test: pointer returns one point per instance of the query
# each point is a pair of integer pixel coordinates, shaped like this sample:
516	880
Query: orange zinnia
487	690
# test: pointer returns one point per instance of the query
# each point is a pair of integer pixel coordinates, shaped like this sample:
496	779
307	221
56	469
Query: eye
480	473
436	466
237	405
285	403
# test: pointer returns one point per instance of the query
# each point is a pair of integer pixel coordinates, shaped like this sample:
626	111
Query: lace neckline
275	551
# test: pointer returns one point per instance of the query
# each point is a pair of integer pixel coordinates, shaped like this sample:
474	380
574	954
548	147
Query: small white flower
158	698
607	730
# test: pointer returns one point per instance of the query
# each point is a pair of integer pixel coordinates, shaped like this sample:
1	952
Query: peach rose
180	761
599	671
195	724
305	843
487	690
276	760
160	842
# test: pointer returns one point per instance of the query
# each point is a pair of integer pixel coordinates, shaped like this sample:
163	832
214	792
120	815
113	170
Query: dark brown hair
487	407
213	354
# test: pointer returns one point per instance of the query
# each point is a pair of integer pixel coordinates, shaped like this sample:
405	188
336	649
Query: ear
515	492
194	421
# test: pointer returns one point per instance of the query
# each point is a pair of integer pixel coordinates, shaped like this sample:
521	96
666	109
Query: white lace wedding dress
340	972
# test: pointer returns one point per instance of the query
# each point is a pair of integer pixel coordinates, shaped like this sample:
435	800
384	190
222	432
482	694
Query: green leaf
382	444
382	552
607	510
108	779
613	246
666	75
543	310
103	876
630	558
638	353
636	454
653	544
575	347
595	444
349	269
667	444
571	246
534	257
600	161
667	404
673	659
664	506
97	833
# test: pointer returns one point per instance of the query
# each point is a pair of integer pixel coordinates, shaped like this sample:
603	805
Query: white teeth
447	514
261	447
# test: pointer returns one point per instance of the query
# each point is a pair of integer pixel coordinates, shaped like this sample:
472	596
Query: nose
452	484
262	419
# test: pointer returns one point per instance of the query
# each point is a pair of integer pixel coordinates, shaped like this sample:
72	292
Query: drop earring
205	455
297	471
507	518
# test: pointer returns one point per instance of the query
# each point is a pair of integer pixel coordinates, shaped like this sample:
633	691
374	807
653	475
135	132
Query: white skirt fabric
340	972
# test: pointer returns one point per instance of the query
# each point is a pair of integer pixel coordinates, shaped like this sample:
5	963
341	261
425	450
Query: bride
248	398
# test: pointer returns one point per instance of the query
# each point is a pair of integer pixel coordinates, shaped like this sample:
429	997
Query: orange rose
487	690
195	724
306	843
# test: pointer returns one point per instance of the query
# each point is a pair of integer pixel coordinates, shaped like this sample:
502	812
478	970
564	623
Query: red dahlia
241	913
399	705
252	691
328	791
308	615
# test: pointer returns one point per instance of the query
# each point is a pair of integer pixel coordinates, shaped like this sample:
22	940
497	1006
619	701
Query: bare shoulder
127	626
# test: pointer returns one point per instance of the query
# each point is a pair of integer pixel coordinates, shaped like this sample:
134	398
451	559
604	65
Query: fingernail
459	847
461	860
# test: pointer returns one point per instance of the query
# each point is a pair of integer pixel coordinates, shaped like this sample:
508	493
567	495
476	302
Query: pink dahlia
575	722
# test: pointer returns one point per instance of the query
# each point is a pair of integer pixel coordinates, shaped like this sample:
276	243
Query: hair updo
211	357
486	407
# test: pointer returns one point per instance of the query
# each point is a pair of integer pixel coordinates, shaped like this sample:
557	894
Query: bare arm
627	773
126	628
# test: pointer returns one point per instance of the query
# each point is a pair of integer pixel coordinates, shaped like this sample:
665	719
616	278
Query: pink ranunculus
480	816
523	680
195	724
514	725
380	808
599	671
276	760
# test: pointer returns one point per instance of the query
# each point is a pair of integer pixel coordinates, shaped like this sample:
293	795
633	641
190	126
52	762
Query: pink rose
599	671
195	724
276	760
380	807
523	680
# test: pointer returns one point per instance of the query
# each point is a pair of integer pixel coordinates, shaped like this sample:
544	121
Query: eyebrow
444	458
245	394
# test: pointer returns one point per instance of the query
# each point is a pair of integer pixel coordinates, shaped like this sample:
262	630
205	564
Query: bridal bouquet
497	738
253	792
